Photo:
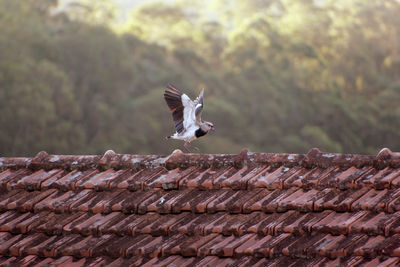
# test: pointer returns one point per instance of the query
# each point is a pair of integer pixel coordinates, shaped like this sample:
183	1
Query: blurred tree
280	75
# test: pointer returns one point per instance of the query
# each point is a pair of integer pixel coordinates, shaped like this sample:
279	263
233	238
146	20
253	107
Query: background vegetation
280	75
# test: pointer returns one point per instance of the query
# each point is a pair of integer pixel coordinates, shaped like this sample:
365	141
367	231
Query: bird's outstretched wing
182	108
199	106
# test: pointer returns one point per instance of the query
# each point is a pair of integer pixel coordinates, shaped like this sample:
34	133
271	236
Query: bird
186	115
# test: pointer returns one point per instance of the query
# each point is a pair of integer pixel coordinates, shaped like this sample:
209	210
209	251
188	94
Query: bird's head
207	126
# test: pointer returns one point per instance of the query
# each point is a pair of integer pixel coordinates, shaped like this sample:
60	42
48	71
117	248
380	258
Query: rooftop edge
178	159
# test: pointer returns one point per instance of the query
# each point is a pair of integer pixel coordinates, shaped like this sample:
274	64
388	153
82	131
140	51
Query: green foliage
279	75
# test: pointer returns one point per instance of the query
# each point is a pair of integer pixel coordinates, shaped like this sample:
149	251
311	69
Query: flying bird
187	115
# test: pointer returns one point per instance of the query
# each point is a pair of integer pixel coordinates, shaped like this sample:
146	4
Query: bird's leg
186	146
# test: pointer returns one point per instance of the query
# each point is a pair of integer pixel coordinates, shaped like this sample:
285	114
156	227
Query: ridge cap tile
178	159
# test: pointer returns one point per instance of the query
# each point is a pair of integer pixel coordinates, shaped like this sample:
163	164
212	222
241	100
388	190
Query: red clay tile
371	223
114	247
303	246
226	247
383	178
392	224
300	200
230	200
194	201
376	262
232	224
375	200
208	261
121	181
346	178
103	226
53	201
105	204
8	223
132	261
160	261
310	178
17	248
139	226
181	261
393	261
204	178
6	240
162	201
275	245
392	201
363	180
169	180
91	226
301	223
69	181
27	202
44	262
338	200
10	241
251	244
193	224
89	245
53	223
53	249
99	181
4	176
370	247
391	246
254	203
342	223
20	261
342	246
240	179
267	224
34	181
135	243
76	247
191	245
7	196
271	178
266	200
124	226
161	225
395	182
82	246
124	201
9	179
272	202
318	244
286	219
68	261
10	197
41	244
27	225
138	180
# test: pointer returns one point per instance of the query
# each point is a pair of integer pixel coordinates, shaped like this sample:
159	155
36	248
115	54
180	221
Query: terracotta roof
250	209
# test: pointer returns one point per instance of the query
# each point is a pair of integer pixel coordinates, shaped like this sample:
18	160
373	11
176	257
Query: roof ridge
178	159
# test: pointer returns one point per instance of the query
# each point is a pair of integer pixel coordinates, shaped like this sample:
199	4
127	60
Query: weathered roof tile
189	209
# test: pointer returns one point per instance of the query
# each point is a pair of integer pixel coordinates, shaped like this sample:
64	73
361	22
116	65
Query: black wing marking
173	97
